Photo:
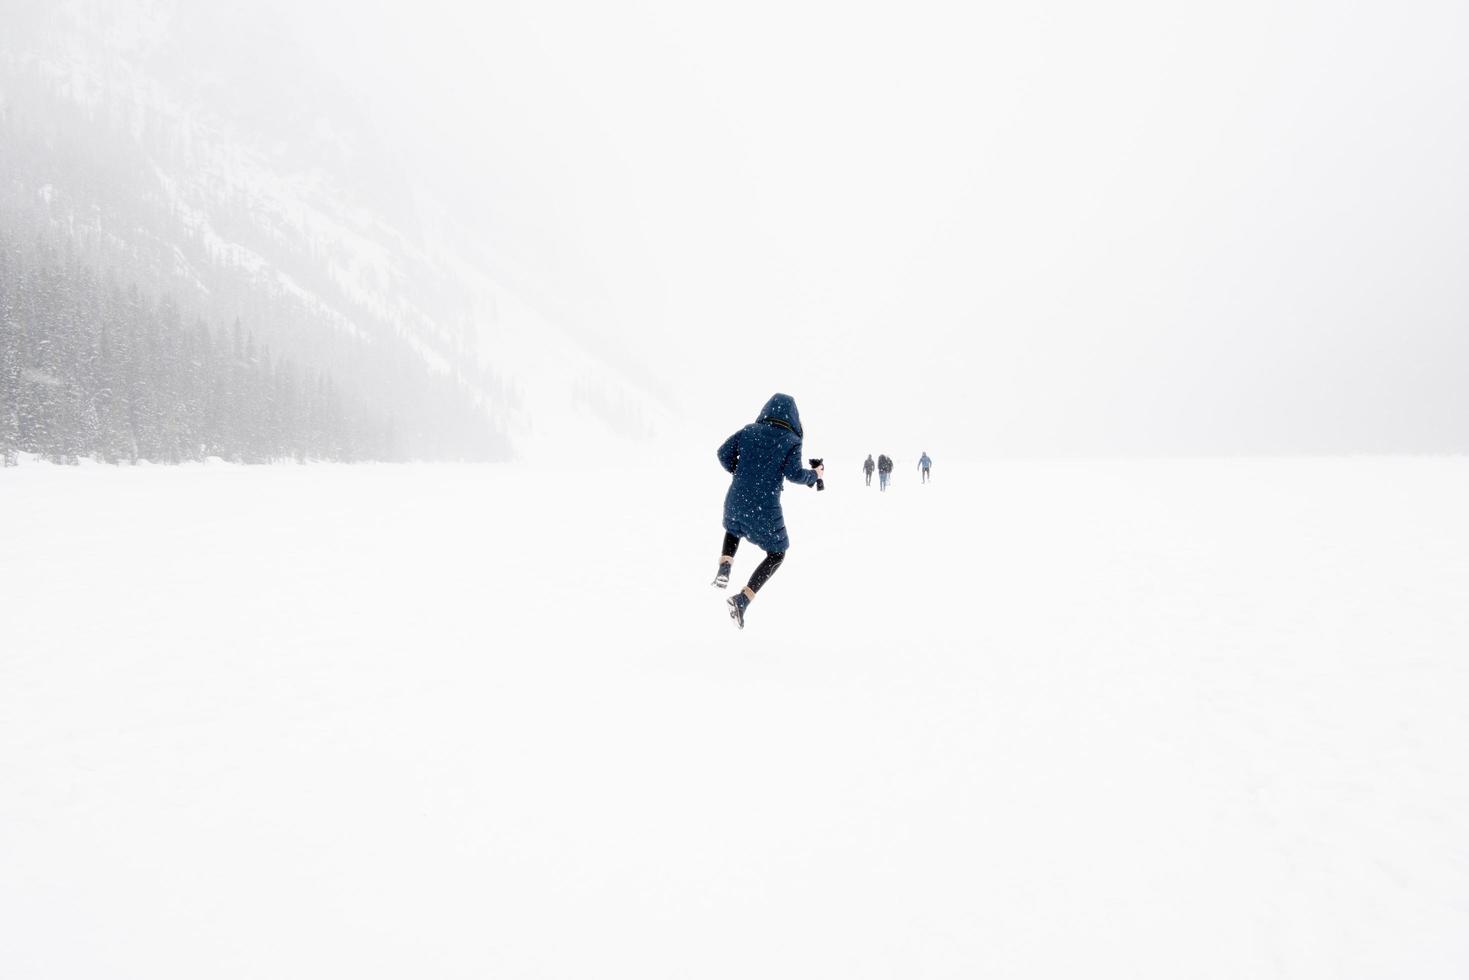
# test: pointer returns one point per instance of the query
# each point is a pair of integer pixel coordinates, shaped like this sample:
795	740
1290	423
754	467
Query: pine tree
9	360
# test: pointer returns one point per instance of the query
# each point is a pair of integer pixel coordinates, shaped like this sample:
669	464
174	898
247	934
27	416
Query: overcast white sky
1046	225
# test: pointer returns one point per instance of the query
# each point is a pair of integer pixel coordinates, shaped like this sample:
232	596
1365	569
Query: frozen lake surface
1200	719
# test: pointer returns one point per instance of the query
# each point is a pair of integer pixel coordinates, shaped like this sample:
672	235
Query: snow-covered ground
1069	720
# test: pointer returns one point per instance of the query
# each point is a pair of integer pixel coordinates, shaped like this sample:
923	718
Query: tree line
91	368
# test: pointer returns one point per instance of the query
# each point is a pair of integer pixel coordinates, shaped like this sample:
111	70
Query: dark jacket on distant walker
759	455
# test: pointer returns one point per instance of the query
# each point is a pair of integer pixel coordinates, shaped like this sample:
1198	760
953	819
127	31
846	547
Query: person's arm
793	470
729	453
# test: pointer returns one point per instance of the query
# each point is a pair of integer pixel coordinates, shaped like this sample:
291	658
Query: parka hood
781	410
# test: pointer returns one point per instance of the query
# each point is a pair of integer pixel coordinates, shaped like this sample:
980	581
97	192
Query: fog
1045	228
1052	226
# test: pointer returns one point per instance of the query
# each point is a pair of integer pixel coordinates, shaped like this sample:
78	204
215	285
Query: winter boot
738	603
722	579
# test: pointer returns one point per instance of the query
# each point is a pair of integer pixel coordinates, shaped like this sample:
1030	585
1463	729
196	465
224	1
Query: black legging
763	571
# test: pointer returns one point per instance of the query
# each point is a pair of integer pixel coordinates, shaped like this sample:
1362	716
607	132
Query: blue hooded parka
759	455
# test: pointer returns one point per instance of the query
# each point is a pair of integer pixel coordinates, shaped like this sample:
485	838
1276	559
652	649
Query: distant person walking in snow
868	467
759	456
923	465
884	471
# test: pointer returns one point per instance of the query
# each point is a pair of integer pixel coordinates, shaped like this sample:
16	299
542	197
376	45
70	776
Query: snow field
1152	719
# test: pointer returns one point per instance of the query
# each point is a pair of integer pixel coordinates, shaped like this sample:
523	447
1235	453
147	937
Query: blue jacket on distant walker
759	455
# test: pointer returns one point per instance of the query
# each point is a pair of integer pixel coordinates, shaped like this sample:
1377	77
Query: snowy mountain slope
268	180
1044	720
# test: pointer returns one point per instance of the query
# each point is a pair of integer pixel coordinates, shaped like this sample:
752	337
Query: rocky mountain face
203	161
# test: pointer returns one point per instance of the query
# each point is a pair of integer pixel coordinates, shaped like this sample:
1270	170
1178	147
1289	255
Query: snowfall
1070	719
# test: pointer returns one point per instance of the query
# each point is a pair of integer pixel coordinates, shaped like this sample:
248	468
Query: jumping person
923	465
759	455
867	469
884	471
